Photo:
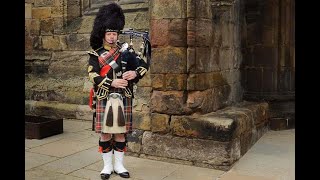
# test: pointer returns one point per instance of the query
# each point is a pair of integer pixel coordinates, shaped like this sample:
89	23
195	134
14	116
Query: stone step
222	125
214	140
127	7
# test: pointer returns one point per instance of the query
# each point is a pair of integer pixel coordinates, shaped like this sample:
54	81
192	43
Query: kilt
100	108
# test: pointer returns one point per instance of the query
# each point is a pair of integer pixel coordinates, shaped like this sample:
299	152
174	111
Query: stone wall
195	60
51	48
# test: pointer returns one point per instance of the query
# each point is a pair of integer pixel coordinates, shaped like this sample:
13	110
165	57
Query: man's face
111	37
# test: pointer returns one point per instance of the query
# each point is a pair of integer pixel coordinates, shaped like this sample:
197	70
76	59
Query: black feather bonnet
110	17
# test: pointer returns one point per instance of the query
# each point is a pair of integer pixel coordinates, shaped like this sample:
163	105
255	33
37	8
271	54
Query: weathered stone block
159	32
260	112
216	36
242	116
57	11
39	55
168	102
191	8
55	109
191	32
227	33
54	42
215	59
169	60
28	45
78	42
44	3
246	142
203	9
46	26
142	98
177	33
191	60
221	94
163	9
58	25
160	123
137	20
199	82
135	136
87	85
226	57
37	68
205	81
84	112
203	61
76	61
33	26
195	150
158	81
41	13
73	12
27	11
209	126
203	32
237	61
74	2
134	140
202	101
82	25
176	82
141	120
169	81
85	4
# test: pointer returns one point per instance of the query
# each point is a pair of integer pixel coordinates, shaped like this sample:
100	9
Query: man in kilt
113	70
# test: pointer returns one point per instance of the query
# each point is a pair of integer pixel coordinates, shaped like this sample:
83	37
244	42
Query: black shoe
123	175
105	176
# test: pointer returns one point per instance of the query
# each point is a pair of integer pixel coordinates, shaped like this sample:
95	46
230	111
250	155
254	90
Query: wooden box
38	127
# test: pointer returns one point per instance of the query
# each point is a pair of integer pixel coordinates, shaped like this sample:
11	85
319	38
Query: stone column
168	28
189	74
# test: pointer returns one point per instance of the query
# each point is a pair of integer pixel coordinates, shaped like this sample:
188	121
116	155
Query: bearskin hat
110	17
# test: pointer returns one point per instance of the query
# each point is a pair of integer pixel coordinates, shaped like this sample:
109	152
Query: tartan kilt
100	108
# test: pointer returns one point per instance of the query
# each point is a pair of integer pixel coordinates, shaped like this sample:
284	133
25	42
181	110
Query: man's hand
129	75
119	83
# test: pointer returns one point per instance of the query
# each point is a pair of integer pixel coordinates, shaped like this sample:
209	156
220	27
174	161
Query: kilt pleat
100	108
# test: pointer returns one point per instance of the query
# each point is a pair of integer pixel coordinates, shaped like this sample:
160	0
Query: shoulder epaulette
94	52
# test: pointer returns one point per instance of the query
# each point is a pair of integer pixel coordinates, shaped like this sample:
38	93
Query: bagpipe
145	47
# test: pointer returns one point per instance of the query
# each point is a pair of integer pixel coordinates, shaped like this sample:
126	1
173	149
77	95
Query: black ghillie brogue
124	174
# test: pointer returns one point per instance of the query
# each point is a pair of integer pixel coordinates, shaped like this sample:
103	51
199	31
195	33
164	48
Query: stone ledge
214	140
58	110
215	154
223	125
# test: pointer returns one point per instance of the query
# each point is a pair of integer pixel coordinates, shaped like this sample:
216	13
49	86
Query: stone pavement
73	155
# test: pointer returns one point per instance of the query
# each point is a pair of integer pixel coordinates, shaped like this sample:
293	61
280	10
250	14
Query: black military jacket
102	85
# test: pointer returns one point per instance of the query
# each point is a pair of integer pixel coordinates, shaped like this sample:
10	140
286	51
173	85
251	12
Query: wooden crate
38	127
280	123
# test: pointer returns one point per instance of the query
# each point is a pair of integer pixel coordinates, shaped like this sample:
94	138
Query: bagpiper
114	68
